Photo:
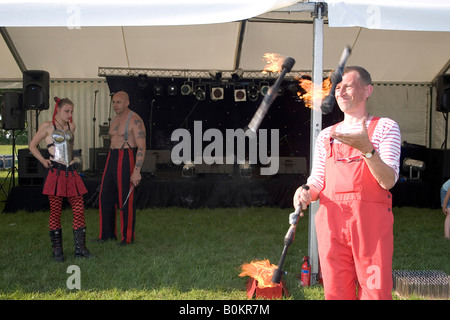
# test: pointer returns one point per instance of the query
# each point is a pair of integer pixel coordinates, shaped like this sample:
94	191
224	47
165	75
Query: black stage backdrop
163	113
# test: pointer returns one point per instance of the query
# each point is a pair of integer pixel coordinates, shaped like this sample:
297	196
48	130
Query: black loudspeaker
31	171
438	165
443	93
101	154
36	95
13	115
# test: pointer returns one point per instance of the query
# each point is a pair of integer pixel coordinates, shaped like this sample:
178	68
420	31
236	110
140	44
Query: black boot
57	249
79	236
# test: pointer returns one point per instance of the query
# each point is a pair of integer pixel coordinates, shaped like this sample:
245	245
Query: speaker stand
11	176
444	145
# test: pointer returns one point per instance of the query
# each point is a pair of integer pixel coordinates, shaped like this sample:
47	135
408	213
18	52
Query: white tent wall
408	105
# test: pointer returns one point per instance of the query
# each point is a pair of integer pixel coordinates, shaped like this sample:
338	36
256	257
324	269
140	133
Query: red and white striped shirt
386	140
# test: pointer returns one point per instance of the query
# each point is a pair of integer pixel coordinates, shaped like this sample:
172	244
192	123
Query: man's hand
359	140
302	197
135	178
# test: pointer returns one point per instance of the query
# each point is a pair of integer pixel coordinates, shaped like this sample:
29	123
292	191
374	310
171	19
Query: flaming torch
261	271
329	101
272	93
260	284
307	86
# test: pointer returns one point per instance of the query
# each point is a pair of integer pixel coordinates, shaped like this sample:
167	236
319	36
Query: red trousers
354	226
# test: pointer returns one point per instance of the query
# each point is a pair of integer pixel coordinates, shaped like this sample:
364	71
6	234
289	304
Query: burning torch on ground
268	276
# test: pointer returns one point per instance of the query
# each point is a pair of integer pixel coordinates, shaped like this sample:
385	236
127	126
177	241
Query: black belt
62	167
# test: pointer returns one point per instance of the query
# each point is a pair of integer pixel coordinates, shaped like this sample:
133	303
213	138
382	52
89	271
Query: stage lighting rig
142	81
217	93
263	87
188	170
237	74
253	92
413	165
215	74
200	92
172	90
187	88
158	89
240	94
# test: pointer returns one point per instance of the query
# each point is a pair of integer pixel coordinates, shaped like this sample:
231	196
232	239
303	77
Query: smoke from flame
261	271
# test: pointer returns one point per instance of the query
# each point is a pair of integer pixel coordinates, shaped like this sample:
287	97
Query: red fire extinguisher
305	278
319	276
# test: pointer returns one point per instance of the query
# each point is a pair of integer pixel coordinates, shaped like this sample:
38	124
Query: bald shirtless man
122	172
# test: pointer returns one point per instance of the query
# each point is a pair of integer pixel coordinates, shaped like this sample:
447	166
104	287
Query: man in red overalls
355	163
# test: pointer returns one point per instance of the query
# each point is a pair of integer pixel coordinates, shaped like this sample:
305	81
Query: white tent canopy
71	41
84	13
416	15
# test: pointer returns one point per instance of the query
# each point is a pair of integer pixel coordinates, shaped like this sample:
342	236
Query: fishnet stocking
77	205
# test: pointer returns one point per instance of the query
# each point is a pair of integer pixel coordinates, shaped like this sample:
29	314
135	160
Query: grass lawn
186	254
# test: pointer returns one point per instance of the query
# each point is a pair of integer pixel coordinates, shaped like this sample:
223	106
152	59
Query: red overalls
354	226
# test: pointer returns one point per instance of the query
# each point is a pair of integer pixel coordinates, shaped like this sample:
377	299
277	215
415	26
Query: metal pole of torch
272	93
288	240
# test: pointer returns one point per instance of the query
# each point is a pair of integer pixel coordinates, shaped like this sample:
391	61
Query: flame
308	95
261	271
274	62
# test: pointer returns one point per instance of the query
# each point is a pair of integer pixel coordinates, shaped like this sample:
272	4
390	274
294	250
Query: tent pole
316	127
13	49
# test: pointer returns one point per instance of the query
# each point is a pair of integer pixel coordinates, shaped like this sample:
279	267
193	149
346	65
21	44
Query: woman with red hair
62	178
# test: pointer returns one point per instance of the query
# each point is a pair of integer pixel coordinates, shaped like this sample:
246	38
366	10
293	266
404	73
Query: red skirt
63	181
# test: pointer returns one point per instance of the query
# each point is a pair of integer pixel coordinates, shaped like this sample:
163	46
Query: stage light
172	90
240	95
237	74
217	93
263	87
252	92
188	170
199	92
215	74
245	170
157	90
186	88
413	165
142	81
